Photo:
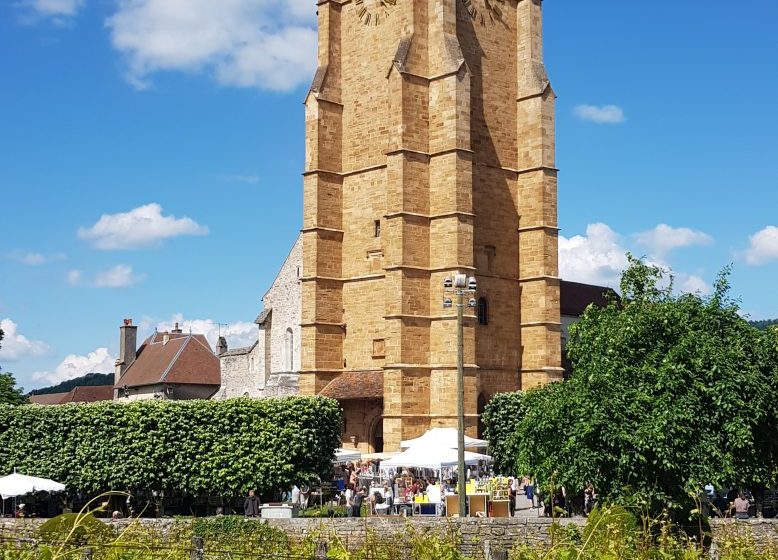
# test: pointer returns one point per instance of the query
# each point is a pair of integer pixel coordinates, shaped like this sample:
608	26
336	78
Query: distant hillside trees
88	380
764	324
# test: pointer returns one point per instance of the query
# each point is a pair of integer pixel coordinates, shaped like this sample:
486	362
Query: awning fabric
19	484
444	437
345	455
431	457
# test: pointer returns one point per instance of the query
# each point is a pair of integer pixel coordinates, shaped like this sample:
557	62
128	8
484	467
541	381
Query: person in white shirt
388	500
349	495
295	496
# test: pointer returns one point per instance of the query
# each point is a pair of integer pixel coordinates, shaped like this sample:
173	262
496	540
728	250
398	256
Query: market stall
15	485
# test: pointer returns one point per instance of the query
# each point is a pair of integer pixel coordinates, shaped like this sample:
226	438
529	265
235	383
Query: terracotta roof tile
184	359
51	398
356	385
89	394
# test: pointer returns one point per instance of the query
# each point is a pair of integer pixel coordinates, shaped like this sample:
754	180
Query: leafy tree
501	418
9	392
668	392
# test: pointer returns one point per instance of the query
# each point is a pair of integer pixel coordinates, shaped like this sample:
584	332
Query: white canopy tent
431	457
444	437
17	484
346	455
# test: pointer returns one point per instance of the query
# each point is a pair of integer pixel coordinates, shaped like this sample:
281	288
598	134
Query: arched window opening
289	350
483	311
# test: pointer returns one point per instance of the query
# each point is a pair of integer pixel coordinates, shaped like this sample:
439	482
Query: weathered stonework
479	536
270	366
429	151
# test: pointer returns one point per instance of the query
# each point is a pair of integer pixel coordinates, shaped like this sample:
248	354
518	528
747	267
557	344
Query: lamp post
460	286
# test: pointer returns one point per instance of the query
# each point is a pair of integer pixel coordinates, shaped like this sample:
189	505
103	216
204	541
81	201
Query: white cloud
265	44
74	277
603	114
32	258
119	276
595	258
144	226
763	246
238	334
691	283
55	7
599	257
99	361
16	346
246	179
663	239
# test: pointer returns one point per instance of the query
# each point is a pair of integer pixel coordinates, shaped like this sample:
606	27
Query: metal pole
461	405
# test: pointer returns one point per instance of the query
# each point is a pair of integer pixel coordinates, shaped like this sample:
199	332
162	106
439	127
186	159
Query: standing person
251	506
741	506
350	500
353	478
589	499
356	508
529	488
511	497
295	496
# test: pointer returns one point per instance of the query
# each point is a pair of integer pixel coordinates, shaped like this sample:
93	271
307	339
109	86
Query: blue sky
188	116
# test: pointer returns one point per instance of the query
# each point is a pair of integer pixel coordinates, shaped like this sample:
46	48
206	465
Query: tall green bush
198	447
668	392
501	419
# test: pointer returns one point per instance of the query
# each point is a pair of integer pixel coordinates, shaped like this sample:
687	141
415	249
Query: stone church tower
429	151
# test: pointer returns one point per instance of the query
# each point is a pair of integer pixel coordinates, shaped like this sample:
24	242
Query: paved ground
524	507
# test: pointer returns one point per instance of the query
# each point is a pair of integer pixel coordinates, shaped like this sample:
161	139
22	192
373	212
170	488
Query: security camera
471	283
472	302
447	302
448	282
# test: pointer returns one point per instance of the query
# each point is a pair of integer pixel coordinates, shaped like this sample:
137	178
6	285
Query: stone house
168	365
270	366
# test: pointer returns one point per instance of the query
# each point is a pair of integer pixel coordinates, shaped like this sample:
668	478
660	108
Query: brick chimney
176	330
221	346
128	346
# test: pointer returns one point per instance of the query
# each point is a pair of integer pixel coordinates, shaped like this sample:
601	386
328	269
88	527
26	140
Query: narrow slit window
377	228
483	311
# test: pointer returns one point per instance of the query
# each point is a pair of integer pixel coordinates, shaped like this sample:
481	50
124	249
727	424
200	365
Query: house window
289	350
483	311
377	228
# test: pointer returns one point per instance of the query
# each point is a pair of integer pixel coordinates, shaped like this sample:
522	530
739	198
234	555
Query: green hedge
501	418
199	447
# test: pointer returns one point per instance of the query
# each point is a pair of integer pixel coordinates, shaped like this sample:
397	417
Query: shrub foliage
668	392
198	447
501	418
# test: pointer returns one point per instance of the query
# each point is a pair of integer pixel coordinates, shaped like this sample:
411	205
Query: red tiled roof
76	395
51	398
576	297
89	394
186	359
351	385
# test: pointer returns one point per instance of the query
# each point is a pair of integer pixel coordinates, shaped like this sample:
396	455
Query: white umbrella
19	484
444	437
431	457
345	455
